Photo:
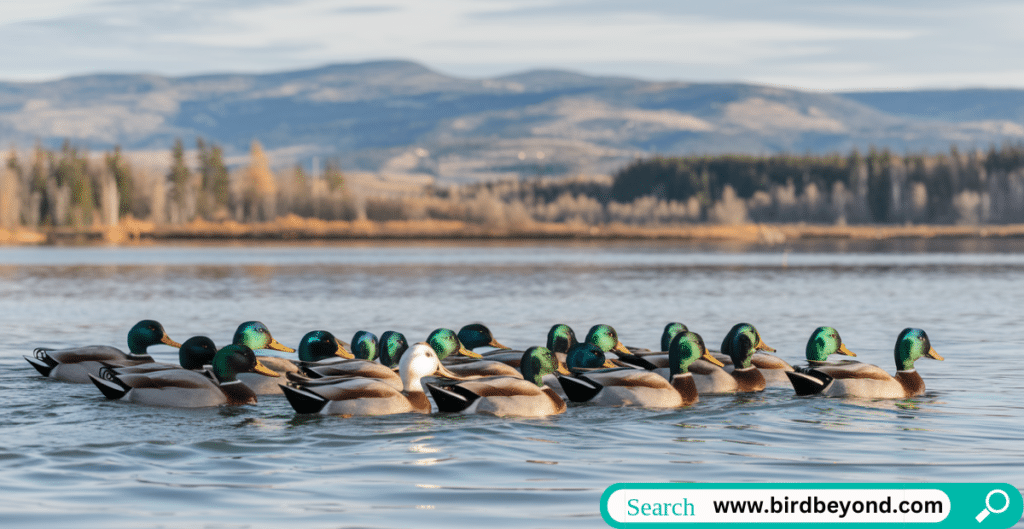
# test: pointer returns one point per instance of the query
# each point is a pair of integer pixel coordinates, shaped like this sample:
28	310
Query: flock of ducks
385	375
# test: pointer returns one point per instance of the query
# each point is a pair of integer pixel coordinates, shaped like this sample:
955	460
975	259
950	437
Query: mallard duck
322	346
772	368
392	345
627	386
195	354
867	381
560	339
477	335
77	363
478	366
521	396
367	396
742	342
604	337
256	336
183	388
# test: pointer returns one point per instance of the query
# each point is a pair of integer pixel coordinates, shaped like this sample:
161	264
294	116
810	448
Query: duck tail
112	387
451	400
638	361
579	389
41	361
303	401
808	381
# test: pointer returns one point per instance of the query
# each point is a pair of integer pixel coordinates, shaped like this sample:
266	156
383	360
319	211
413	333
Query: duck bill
278	346
614	363
466	352
447	373
167	340
707	356
761	346
933	355
496	344
264	370
562	369
621	349
344	353
844	351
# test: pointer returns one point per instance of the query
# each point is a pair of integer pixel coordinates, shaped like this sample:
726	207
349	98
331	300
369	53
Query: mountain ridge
403	117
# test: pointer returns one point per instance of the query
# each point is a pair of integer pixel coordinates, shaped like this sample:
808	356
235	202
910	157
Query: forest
69	188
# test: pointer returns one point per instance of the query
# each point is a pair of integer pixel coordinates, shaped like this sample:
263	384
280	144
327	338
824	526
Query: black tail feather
579	389
637	361
303	401
111	386
42	361
808	381
450	400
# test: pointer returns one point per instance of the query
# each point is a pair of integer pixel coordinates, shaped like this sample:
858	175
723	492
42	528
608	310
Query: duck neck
137	346
687	388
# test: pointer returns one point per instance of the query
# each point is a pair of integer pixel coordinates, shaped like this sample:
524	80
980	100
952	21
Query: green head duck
316	346
740	344
686	348
478	335
445	342
364	345
825	341
392	344
670	332
255	335
561	338
147	333
587	356
196	352
235	359
538	361
911	345
606	339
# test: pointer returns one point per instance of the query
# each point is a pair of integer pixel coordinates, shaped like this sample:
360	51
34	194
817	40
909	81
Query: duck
559	340
256	336
604	337
478	365
319	347
184	388
526	395
867	381
77	363
742	342
195	354
367	396
772	368
392	345
627	386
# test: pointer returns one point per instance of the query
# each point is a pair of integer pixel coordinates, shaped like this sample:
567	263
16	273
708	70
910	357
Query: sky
805	44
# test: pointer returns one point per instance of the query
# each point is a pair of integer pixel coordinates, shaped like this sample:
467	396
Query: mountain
401	117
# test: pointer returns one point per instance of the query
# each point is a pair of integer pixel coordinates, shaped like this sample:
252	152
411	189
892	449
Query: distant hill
401	117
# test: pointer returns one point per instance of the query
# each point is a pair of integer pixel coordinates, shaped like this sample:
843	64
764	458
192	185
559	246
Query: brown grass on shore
292	227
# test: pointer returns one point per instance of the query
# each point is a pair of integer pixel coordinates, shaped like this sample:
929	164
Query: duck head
823	342
235	359
445	342
316	346
606	339
255	335
741	342
421	361
196	352
538	361
587	356
147	333
364	345
911	345
669	334
392	345
561	338
478	335
686	348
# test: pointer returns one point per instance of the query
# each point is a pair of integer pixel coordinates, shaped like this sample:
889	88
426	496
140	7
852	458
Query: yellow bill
707	356
278	346
844	351
933	354
264	370
167	340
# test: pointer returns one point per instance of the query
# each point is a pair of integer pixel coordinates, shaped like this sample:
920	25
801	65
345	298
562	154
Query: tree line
69	187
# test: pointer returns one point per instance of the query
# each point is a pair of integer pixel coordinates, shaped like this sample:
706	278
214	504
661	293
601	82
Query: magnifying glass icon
988	505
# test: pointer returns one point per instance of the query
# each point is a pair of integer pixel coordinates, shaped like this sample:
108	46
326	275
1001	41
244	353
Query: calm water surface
68	457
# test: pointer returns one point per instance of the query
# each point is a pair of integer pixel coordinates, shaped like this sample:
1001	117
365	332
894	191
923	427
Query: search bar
873	505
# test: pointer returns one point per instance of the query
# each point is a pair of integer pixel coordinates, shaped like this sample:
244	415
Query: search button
988	505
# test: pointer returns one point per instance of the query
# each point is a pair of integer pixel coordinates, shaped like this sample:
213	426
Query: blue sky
808	44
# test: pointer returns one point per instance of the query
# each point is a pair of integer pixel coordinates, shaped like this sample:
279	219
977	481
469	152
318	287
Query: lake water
69	457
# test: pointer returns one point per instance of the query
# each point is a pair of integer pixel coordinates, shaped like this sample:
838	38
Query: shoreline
131	231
